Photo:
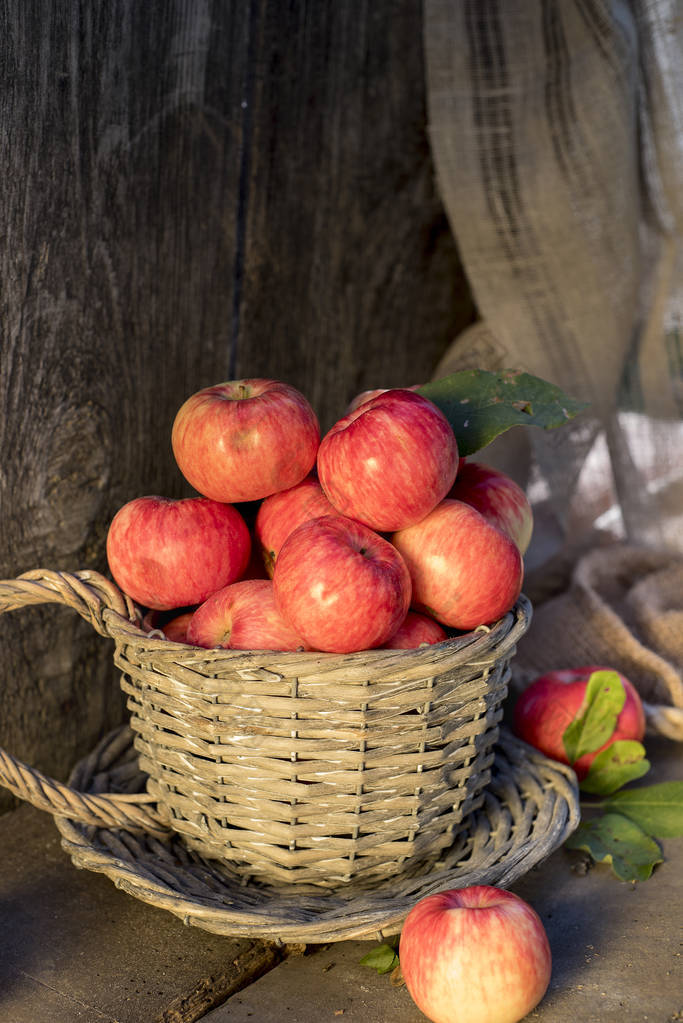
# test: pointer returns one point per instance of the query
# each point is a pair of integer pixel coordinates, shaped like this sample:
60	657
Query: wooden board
192	192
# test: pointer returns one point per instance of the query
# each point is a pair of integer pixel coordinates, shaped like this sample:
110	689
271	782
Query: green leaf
479	404
615	839
657	809
620	763
596	718
382	958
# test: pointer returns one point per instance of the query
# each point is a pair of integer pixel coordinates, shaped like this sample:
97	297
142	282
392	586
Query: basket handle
87	592
92	596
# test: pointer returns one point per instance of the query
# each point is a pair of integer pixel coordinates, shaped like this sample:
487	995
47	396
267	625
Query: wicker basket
292	768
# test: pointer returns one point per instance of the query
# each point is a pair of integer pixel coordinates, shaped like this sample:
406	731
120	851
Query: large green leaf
623	761
480	405
617	840
596	718
657	809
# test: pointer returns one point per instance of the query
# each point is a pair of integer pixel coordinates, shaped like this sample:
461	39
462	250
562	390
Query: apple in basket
167	553
464	571
497	497
280	513
416	630
475	955
243	616
389	462
551	702
244	439
340	585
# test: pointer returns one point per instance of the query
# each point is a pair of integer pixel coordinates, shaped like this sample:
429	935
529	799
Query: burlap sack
623	609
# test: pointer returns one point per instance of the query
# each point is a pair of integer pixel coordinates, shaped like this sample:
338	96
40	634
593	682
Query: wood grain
192	191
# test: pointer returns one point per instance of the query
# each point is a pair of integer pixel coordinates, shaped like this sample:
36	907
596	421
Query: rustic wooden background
193	191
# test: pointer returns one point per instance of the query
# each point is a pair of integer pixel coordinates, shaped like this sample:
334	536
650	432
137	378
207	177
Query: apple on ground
167	553
475	955
416	630
245	439
243	616
390	461
341	585
280	513
464	571
497	497
552	701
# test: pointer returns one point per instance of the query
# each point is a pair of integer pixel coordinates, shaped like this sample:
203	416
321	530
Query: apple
243	616
280	513
475	955
173	628
167	553
416	630
245	439
340	585
256	568
464	571
390	461
364	396
497	497
551	702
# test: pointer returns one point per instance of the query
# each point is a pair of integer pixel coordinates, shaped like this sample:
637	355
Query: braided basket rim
448	653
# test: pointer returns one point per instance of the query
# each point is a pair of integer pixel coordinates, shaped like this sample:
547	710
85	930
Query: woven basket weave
530	807
293	768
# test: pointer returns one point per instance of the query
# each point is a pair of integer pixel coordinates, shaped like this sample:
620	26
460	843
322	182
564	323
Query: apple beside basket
307	768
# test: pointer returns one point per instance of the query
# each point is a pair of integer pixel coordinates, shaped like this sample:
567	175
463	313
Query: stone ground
75	948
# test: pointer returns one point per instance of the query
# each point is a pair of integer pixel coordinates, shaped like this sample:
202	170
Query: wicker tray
291	768
530	806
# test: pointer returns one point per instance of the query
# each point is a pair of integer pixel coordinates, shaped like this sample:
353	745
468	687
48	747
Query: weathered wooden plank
191	191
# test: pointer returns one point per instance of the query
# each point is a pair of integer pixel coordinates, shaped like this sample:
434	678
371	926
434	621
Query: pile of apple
376	535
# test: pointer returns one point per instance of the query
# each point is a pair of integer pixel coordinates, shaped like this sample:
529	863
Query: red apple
340	585
390	461
280	513
256	569
243	616
475	955
498	498
245	439
364	396
168	553
175	629
551	702
464	571
416	630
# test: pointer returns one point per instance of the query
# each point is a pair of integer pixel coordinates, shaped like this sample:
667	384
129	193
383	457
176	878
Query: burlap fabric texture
623	608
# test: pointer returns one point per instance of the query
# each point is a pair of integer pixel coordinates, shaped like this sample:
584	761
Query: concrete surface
74	948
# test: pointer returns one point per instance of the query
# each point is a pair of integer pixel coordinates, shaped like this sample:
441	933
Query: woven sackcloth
556	128
623	608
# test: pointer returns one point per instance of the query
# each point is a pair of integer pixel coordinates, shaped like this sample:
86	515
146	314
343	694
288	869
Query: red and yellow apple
497	497
175	629
389	462
464	571
167	553
416	630
280	513
475	955
243	616
340	585
245	439
552	701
